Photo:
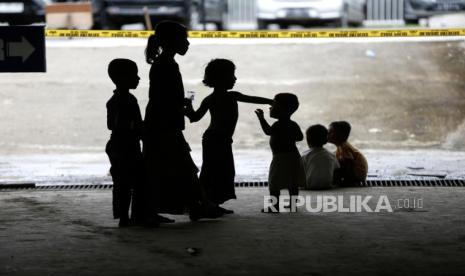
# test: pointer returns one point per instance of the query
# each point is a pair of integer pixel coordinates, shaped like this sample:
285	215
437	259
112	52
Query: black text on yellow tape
269	34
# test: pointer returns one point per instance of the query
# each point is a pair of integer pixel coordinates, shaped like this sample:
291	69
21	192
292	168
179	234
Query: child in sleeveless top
218	172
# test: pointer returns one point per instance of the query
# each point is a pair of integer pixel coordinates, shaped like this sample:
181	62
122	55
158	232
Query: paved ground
404	98
401	96
92	168
72	233
398	94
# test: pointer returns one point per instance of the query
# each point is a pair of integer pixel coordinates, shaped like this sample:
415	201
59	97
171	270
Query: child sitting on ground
320	165
354	166
286	170
123	149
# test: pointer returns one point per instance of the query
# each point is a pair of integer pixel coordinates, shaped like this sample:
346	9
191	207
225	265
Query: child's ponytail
153	49
165	32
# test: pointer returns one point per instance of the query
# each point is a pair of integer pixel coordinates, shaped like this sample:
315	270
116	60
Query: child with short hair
320	165
123	149
218	172
354	166
286	170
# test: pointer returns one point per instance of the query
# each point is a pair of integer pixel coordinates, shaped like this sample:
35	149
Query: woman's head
169	36
219	73
284	105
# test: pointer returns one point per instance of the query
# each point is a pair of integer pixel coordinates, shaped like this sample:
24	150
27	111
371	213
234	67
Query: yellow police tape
269	34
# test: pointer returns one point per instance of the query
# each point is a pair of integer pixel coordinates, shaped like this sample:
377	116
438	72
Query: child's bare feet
226	211
124	222
206	211
162	219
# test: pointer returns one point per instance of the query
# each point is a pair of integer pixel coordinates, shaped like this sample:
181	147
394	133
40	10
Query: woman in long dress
171	172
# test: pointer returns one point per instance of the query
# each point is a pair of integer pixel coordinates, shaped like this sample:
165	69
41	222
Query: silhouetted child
123	149
217	173
286	170
320	165
171	171
354	166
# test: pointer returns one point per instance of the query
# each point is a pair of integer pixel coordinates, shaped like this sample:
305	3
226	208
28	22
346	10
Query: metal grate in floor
418	183
251	184
385	183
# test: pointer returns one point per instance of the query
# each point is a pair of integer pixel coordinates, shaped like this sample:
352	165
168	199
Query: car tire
412	21
109	25
97	24
224	24
262	24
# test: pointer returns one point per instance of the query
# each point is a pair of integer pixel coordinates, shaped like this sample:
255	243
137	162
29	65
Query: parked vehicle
417	9
216	12
112	14
310	12
22	12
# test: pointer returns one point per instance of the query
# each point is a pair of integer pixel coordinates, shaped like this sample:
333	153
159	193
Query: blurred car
22	12
417	9
310	12
216	12
112	14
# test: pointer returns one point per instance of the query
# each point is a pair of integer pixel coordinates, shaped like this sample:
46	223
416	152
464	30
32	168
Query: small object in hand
190	95
193	251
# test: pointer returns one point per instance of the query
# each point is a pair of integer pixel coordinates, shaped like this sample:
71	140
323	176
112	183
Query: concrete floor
411	94
72	233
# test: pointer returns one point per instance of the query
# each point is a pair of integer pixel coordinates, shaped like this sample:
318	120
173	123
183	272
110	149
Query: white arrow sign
22	49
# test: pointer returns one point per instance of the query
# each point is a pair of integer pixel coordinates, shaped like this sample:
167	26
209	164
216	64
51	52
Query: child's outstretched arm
250	99
196	115
265	126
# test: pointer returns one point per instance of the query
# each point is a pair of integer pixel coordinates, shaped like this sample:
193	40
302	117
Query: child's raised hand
259	113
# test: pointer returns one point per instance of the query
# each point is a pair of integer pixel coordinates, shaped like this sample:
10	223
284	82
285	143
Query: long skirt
217	174
171	173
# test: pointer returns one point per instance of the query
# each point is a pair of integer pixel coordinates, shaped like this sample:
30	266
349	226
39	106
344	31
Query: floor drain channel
245	184
414	183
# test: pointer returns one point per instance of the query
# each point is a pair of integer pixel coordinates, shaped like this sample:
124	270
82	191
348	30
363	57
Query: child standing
286	170
171	173
123	149
354	166
217	173
320	165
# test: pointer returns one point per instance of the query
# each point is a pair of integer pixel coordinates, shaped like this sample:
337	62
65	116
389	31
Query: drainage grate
17	185
384	183
250	184
417	183
76	187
